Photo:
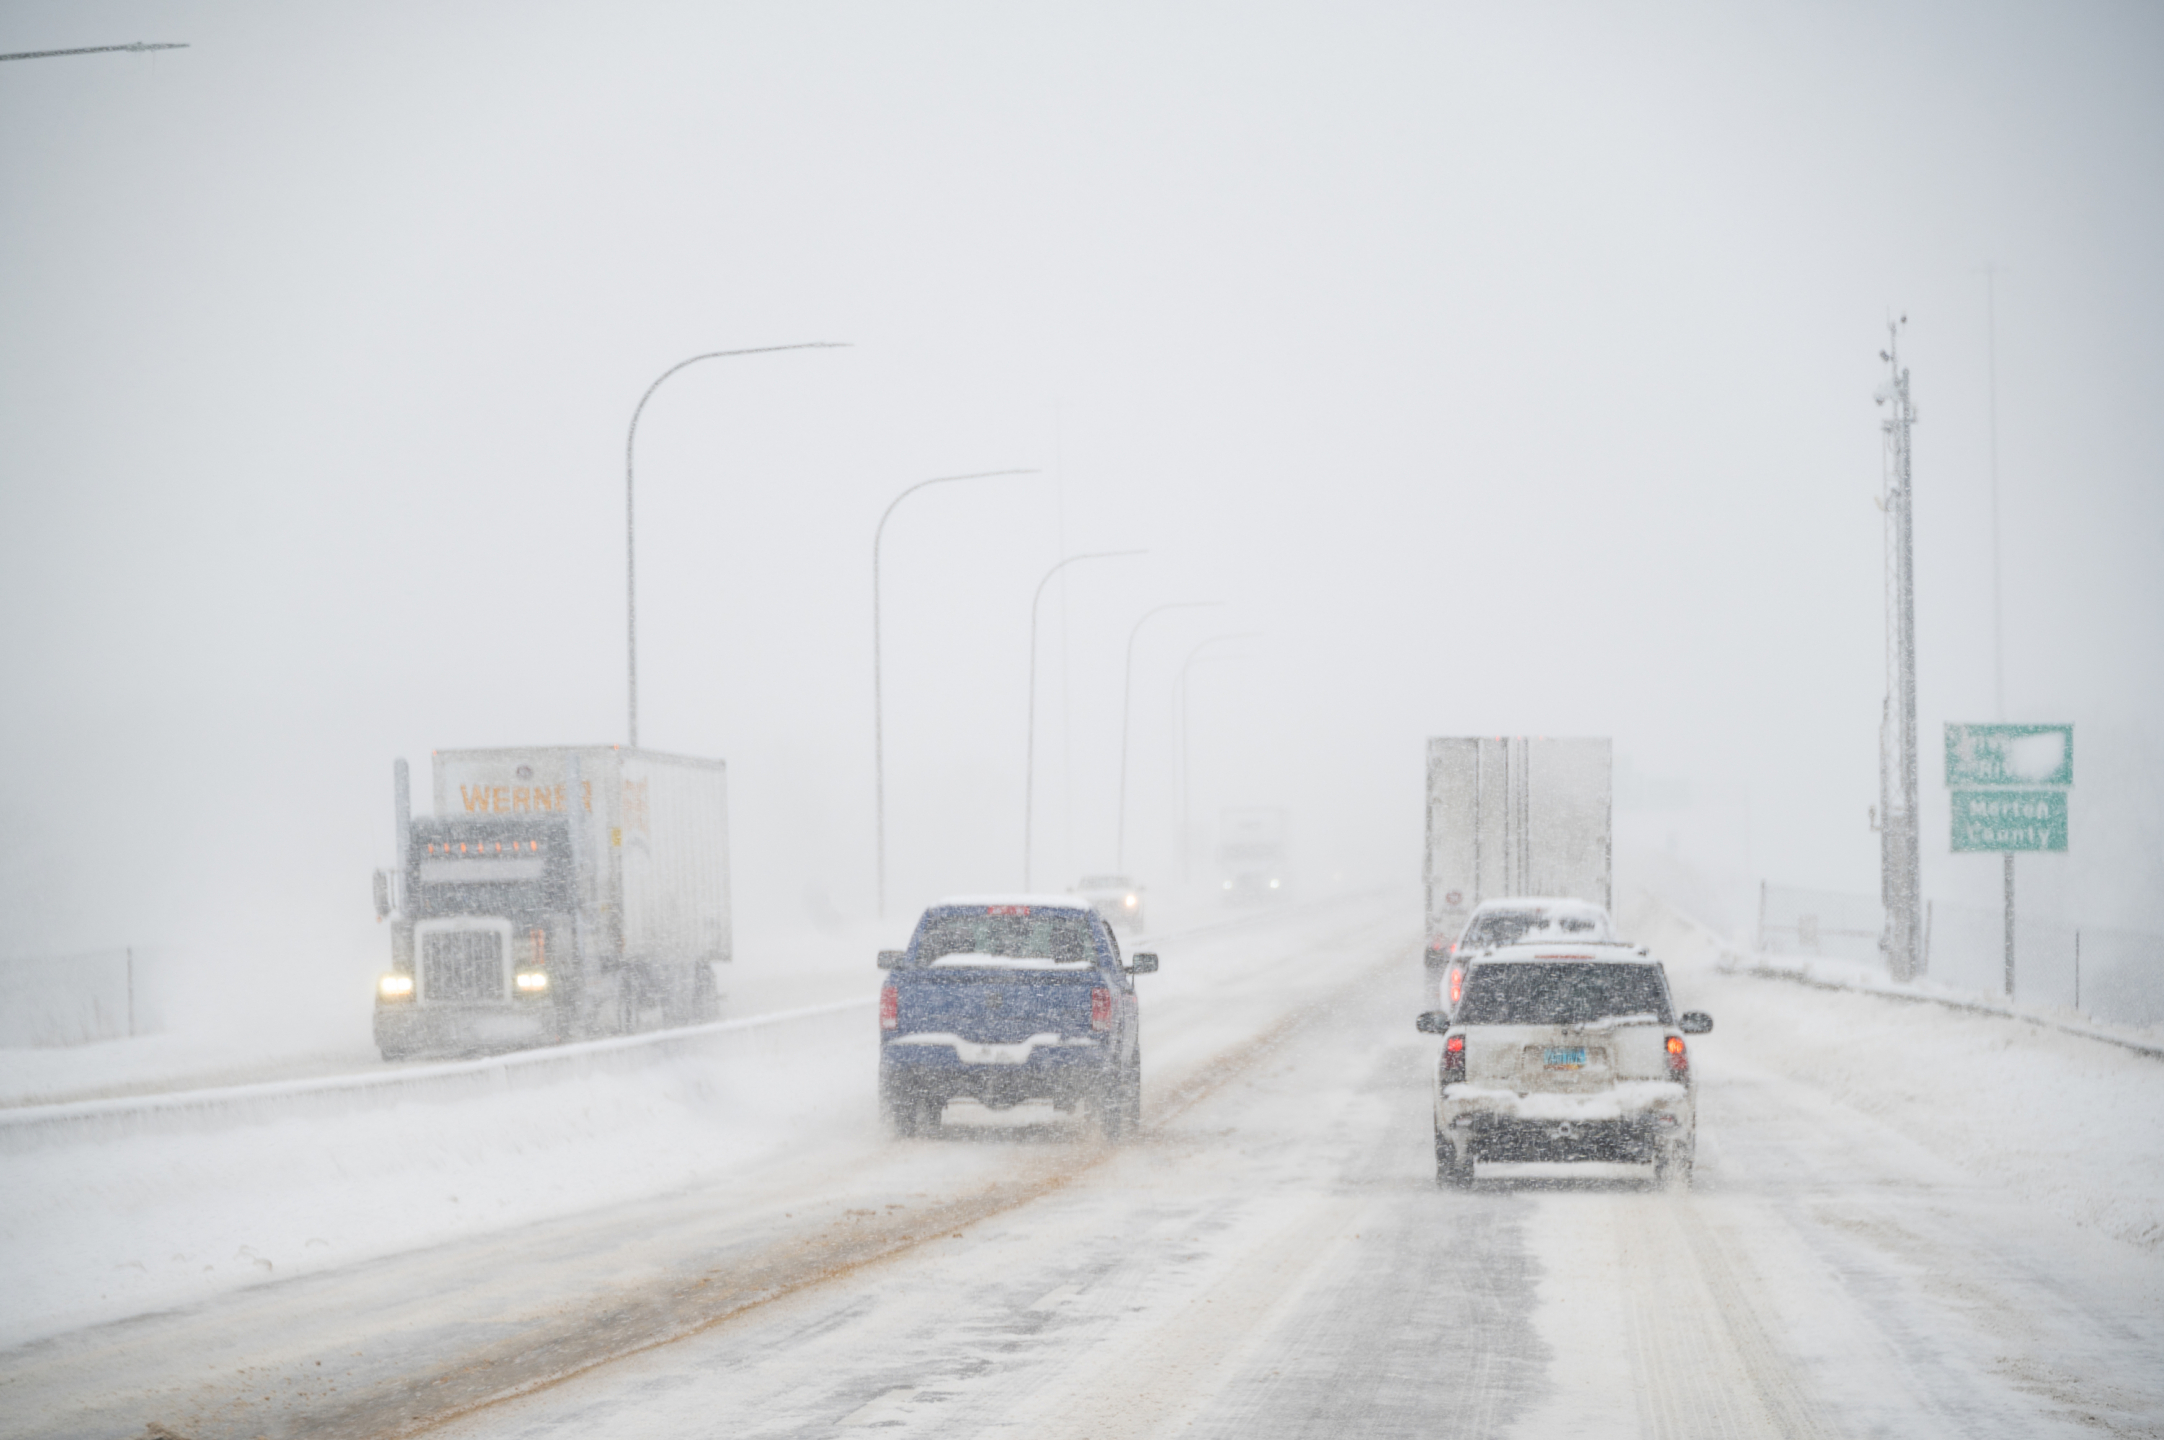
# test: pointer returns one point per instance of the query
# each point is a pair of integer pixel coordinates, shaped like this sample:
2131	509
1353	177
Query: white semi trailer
1516	816
557	893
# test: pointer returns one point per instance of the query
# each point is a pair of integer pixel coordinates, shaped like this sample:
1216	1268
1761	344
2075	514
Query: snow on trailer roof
1011	902
1539	902
1612	951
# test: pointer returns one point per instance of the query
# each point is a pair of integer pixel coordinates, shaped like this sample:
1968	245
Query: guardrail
182	1111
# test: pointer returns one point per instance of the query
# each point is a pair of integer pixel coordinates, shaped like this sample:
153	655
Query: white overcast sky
1504	368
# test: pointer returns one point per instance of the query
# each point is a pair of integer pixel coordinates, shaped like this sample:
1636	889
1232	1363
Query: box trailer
1516	815
557	893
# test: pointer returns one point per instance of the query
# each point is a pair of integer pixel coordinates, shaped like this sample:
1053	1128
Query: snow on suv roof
1032	902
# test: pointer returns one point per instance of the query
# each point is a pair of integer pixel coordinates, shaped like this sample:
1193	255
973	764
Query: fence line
2115	975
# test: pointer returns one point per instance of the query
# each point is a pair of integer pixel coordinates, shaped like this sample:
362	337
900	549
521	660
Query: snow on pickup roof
1033	902
964	960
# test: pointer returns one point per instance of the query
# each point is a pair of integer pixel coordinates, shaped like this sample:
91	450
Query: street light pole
1127	691
1029	751
631	571
1186	840
879	714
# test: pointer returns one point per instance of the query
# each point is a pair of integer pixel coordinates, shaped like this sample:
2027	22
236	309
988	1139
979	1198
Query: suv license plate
1570	1059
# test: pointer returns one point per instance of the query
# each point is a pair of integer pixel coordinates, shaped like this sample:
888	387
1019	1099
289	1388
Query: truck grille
462	965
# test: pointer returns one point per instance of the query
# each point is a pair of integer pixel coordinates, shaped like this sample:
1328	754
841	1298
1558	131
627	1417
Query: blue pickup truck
1003	999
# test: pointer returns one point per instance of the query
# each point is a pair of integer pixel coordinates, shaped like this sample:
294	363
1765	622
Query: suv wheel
1672	1164
1450	1171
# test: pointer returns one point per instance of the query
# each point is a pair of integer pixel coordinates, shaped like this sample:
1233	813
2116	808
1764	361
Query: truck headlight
1133	901
532	982
395	987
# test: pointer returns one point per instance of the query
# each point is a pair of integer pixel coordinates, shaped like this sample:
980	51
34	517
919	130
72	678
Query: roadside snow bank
2067	1120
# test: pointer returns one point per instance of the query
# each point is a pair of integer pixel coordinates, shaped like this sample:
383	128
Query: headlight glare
395	987
533	982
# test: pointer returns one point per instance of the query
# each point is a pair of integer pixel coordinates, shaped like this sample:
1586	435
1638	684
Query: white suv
1564	1052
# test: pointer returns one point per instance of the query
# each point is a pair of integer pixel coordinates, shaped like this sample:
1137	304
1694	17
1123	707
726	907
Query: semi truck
1251	857
1515	816
557	893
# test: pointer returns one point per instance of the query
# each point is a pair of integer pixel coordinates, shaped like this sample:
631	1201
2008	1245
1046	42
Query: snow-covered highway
1905	1222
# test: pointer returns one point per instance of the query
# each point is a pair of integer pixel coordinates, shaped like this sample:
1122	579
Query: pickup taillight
890	1007
1679	1059
1457	984
1100	1009
1454	1060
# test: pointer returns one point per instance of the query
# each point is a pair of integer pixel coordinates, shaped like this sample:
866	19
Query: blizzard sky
1503	368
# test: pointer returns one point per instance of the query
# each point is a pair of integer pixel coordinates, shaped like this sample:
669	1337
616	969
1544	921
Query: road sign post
2009	785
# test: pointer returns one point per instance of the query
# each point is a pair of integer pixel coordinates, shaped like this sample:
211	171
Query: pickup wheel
1672	1165
1118	1103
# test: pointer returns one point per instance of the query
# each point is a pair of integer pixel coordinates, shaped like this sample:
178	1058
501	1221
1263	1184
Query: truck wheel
900	1113
705	996
1134	1097
927	1115
1672	1165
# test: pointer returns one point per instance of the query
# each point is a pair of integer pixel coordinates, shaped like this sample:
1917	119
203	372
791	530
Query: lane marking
881	1408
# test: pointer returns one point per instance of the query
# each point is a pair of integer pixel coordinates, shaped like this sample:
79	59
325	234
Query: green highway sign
2009	820
1978	755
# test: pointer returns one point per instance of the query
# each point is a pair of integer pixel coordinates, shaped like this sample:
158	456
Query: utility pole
1900	853
1998	597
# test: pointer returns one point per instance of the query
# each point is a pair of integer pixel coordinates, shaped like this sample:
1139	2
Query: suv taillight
1679	1059
1100	1009
890	1007
1454	1060
1457	985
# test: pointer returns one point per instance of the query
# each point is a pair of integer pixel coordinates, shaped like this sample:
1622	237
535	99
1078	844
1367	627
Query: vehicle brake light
1679	1058
890	1008
1453	1059
1457	993
1100	1009
1006	909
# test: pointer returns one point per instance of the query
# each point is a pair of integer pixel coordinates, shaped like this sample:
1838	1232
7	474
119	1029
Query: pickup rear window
1062	935
1561	993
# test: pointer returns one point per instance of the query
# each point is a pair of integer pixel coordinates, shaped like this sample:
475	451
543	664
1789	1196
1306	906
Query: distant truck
557	893
1515	816
1251	854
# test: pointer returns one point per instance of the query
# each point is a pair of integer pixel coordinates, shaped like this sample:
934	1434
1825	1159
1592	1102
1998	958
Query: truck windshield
1567	993
1045	935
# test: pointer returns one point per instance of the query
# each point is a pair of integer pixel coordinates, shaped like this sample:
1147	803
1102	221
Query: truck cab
1009	998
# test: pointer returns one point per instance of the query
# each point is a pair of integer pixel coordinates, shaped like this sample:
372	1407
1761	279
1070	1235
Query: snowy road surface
1904	1224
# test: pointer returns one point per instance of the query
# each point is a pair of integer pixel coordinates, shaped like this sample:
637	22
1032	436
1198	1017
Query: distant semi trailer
557	893
1516	816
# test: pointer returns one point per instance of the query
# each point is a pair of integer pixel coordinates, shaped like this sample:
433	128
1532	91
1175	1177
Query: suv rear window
1561	993
1046	935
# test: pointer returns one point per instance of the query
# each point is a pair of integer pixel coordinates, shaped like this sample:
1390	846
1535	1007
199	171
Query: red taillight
890	1008
1457	992
1100	1009
1453	1059
1453	947
1679	1059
